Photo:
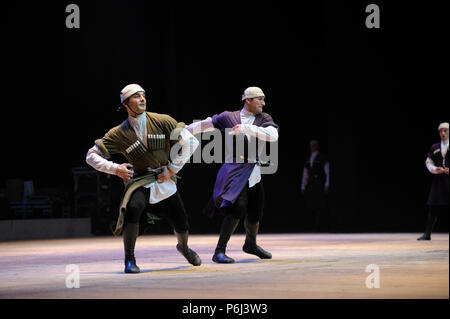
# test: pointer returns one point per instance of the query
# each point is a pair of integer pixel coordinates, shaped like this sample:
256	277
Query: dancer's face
314	146
443	132
137	103
255	105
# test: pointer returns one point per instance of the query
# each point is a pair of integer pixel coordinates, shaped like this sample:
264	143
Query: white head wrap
129	90
443	125
252	92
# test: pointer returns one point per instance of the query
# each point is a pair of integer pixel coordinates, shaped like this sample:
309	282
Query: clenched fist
124	172
165	175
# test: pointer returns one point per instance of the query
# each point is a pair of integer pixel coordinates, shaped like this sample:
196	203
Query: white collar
246	113
138	120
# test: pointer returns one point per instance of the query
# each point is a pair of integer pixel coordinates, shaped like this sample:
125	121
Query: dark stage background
373	97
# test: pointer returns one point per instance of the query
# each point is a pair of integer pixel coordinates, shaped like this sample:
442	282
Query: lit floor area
304	266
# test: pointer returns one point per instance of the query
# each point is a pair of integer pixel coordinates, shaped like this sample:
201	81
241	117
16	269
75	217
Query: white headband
443	125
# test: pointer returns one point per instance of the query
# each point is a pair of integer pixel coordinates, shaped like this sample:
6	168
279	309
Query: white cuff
98	162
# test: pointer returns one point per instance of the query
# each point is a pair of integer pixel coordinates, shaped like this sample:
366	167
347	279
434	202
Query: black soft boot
431	221
228	227
250	247
130	233
182	246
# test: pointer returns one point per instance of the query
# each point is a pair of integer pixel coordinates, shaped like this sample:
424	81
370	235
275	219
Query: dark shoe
250	246
190	255
431	221
220	257
424	237
182	246
131	267
130	233
256	250
228	227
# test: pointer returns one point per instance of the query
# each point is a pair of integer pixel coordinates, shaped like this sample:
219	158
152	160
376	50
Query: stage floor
303	266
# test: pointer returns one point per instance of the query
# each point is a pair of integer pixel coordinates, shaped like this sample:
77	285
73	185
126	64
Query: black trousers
250	203
437	211
171	208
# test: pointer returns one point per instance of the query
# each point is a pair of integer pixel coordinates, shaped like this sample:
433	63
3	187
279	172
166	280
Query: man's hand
165	175
238	129
440	170
446	171
123	171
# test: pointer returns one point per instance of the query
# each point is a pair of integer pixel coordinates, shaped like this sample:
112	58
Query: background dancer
315	186
437	164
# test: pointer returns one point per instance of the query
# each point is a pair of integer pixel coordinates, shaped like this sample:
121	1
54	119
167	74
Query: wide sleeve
429	162
188	144
97	161
268	121
182	137
108	144
266	131
171	127
222	121
430	165
305	178
201	126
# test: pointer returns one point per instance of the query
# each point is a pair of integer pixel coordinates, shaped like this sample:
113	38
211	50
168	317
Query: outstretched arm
268	134
188	144
201	126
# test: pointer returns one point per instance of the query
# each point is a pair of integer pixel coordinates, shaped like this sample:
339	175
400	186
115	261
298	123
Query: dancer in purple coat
238	190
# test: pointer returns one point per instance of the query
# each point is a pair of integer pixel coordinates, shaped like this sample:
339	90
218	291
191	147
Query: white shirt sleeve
201	126
305	178
268	134
97	161
430	165
188	144
326	168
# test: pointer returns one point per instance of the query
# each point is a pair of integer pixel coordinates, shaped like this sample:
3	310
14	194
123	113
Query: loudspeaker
96	195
